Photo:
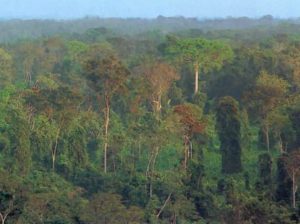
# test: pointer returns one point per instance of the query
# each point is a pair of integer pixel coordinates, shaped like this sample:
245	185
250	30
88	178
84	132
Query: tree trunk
281	144
186	151
151	168
267	137
148	176
185	156
54	150
159	106
106	125
165	204
2	219
156	105
196	79
53	162
191	149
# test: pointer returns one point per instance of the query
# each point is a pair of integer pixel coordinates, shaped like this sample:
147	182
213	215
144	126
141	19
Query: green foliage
171	157
107	208
207	54
229	130
284	182
6	68
265	172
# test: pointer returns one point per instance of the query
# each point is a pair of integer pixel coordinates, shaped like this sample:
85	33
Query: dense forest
170	120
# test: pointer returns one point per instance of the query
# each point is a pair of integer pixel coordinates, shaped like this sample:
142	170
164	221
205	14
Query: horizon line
48	17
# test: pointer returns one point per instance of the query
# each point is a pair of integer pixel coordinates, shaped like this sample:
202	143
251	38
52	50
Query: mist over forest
18	29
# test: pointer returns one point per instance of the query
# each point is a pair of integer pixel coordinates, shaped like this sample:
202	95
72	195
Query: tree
159	77
290	55
292	163
107	76
52	107
191	125
203	54
107	208
11	197
14	131
269	93
228	127
27	57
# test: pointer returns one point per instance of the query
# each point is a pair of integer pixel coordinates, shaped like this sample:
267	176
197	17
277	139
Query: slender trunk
159	106
186	151
165	204
149	165
53	162
196	79
2	218
106	125
281	144
148	176
54	150
28	78
267	137
185	157
151	168
191	149
156	105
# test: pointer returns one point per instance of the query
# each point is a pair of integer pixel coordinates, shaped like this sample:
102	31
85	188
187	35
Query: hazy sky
147	8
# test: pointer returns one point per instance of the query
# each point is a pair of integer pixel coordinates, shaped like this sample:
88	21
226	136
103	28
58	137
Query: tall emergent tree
107	76
203	54
228	128
159	77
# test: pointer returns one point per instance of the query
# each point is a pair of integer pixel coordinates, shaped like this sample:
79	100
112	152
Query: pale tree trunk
3	218
165	204
196	67
4	215
191	149
156	105
148	175
187	151
281	144
54	150
106	126
151	168
266	133
159	106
